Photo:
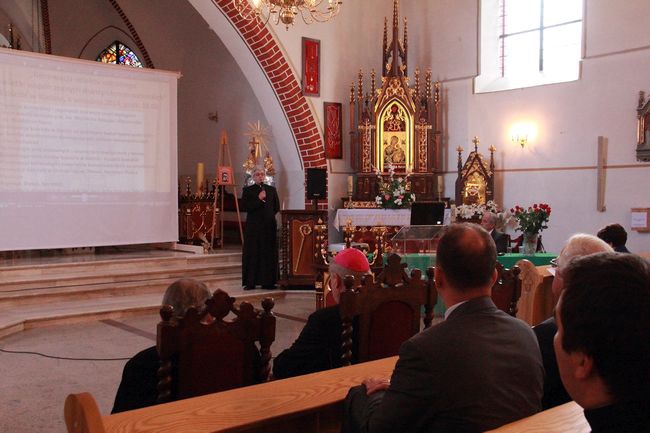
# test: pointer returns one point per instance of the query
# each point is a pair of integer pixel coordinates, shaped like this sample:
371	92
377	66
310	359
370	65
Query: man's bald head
467	256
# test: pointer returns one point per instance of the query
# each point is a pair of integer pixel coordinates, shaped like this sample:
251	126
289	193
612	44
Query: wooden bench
568	417
310	403
313	403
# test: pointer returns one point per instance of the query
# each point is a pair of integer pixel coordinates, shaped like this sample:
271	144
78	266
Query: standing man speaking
260	252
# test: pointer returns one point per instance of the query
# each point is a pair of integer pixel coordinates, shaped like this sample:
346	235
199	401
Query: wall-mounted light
522	133
520	139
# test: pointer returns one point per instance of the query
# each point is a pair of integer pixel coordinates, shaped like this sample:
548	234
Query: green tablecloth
423	261
538	259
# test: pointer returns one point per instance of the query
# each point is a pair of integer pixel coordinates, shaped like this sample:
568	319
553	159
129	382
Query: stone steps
64	312
65	291
21	283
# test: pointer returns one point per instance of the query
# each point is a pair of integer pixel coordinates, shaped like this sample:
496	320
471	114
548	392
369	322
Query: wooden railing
310	403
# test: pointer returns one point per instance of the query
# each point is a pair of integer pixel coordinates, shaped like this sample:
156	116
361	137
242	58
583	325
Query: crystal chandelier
285	11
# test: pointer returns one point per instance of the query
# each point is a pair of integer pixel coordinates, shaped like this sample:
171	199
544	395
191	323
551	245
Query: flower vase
529	245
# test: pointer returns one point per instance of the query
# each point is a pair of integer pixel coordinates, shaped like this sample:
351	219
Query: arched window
118	53
528	43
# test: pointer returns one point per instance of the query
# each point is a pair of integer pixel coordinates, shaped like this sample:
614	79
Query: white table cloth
372	217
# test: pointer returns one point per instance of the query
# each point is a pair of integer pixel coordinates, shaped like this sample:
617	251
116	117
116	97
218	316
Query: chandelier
285	11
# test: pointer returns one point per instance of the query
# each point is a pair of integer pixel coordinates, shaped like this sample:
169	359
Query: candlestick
200	177
350	185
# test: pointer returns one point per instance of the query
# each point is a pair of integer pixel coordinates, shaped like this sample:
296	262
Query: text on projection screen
87	153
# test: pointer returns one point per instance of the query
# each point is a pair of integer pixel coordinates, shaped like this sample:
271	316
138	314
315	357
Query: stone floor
34	387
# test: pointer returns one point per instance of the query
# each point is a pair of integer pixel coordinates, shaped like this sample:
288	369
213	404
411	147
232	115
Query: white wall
557	167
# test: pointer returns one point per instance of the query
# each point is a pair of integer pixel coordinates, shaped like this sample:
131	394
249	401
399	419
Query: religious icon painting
310	67
333	130
224	175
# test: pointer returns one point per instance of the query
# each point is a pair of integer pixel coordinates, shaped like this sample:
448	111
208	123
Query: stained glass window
118	53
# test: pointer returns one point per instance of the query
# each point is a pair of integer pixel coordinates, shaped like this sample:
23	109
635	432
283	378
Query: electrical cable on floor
65	358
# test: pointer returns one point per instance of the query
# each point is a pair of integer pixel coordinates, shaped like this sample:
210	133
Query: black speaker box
316	183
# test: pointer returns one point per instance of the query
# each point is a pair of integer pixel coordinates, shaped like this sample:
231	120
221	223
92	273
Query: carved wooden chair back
507	289
531	280
203	352
387	311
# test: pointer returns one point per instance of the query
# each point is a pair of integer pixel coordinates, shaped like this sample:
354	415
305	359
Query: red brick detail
286	86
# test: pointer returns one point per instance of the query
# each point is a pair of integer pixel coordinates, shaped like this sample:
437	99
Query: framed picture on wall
333	130
310	67
224	175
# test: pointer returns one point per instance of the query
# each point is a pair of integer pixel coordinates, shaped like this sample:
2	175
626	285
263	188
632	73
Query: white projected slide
87	153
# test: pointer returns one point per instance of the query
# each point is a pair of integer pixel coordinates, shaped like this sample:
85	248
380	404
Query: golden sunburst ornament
256	131
258	136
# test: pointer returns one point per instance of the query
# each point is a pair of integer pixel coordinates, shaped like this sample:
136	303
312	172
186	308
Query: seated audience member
578	245
488	222
616	236
138	387
318	346
478	369
603	340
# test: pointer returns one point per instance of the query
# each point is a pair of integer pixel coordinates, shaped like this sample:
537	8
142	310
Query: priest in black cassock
260	253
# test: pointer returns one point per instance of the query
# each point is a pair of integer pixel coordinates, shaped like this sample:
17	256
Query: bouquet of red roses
532	220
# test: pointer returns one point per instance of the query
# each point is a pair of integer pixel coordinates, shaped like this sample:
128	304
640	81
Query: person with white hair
489	222
139	384
578	245
260	250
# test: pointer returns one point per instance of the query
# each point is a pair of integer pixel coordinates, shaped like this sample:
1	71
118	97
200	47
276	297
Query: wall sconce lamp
520	139
521	133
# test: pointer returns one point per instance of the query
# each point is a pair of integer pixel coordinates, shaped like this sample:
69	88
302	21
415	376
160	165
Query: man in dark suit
477	370
578	245
488	222
603	340
318	347
260	251
138	387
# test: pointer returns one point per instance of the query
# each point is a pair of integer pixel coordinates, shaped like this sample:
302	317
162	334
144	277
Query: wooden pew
568	417
536	302
313	403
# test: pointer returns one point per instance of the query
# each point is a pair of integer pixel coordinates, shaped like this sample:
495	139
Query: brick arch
285	85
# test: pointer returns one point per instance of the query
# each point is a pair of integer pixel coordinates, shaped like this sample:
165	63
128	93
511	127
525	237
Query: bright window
118	53
528	43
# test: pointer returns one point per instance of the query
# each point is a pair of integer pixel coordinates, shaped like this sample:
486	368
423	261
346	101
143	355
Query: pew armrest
82	414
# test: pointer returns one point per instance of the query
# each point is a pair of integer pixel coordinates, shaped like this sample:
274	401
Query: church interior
384	110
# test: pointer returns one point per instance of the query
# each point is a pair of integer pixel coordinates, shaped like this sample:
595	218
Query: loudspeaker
316	183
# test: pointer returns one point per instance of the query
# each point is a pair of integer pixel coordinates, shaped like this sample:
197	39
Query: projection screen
88	153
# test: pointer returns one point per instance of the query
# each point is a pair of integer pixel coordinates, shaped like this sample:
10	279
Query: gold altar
397	126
